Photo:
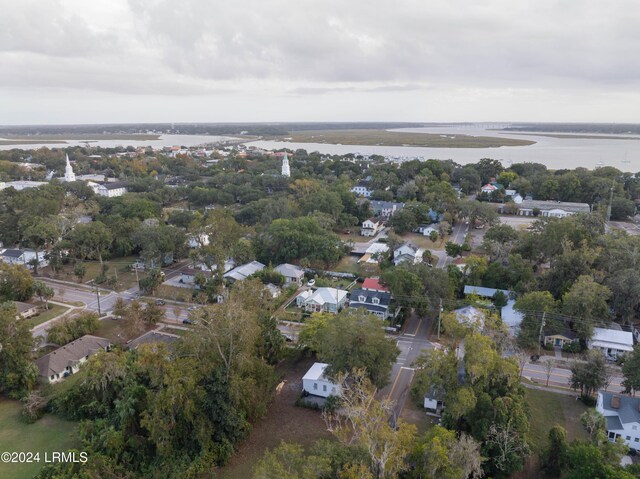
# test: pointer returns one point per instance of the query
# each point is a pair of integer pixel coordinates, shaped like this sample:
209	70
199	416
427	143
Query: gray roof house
622	416
554	209
67	360
292	274
242	272
376	302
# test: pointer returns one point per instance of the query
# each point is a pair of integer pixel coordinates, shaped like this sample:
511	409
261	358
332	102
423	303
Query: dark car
187	321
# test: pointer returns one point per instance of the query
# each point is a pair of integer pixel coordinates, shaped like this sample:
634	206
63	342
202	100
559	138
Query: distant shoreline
397	138
85	137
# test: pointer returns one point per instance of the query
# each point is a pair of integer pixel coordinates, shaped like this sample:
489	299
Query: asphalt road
458	236
560	377
411	342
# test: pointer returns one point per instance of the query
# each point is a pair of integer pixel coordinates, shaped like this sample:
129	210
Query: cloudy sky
80	61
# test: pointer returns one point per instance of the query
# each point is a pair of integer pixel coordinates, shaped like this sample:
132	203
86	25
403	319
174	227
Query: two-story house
375	302
371	227
622	416
407	252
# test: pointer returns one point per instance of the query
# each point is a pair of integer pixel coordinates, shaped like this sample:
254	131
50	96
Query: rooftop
550	205
374	284
316	371
68	355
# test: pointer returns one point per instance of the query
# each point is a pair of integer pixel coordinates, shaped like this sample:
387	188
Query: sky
117	61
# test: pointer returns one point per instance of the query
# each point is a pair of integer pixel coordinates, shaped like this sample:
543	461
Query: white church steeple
285	165
69	175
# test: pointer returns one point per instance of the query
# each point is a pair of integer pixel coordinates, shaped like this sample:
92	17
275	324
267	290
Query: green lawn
55	310
119	267
548	409
46	435
115	331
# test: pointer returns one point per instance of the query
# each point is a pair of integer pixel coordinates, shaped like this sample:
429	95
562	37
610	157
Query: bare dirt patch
283	422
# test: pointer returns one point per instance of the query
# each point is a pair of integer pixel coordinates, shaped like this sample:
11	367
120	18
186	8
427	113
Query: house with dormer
375	302
622	417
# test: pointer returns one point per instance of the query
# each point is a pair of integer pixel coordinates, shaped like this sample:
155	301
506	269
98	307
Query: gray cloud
449	55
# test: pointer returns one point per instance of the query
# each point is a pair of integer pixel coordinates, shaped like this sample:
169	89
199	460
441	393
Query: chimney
615	402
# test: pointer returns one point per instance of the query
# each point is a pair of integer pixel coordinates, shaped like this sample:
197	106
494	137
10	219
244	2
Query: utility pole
540	334
439	315
98	296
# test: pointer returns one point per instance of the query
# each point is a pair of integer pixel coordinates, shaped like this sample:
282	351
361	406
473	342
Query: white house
22	184
612	342
244	271
553	209
471	316
622	417
426	230
434	401
67	360
362	189
23	257
328	300
385	209
316	383
407	252
112	190
198	240
371	227
375	302
292	274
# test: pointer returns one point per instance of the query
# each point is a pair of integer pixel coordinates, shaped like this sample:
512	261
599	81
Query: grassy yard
53	311
176	331
548	409
119	267
283	422
46	435
424	242
349	264
174	293
115	331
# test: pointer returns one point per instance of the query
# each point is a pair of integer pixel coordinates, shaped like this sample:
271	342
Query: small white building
112	190
292	274
328	300
362	189
612	342
316	383
622	417
552	209
23	257
371	227
426	230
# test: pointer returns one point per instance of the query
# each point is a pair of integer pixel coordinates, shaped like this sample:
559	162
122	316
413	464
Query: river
555	153
164	140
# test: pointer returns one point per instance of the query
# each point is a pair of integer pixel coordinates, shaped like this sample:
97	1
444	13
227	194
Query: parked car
311	282
160	302
192	308
187	321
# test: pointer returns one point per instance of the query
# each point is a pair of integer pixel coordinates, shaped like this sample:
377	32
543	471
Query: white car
311	282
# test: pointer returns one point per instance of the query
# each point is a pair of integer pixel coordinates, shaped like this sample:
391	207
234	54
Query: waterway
162	141
623	152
